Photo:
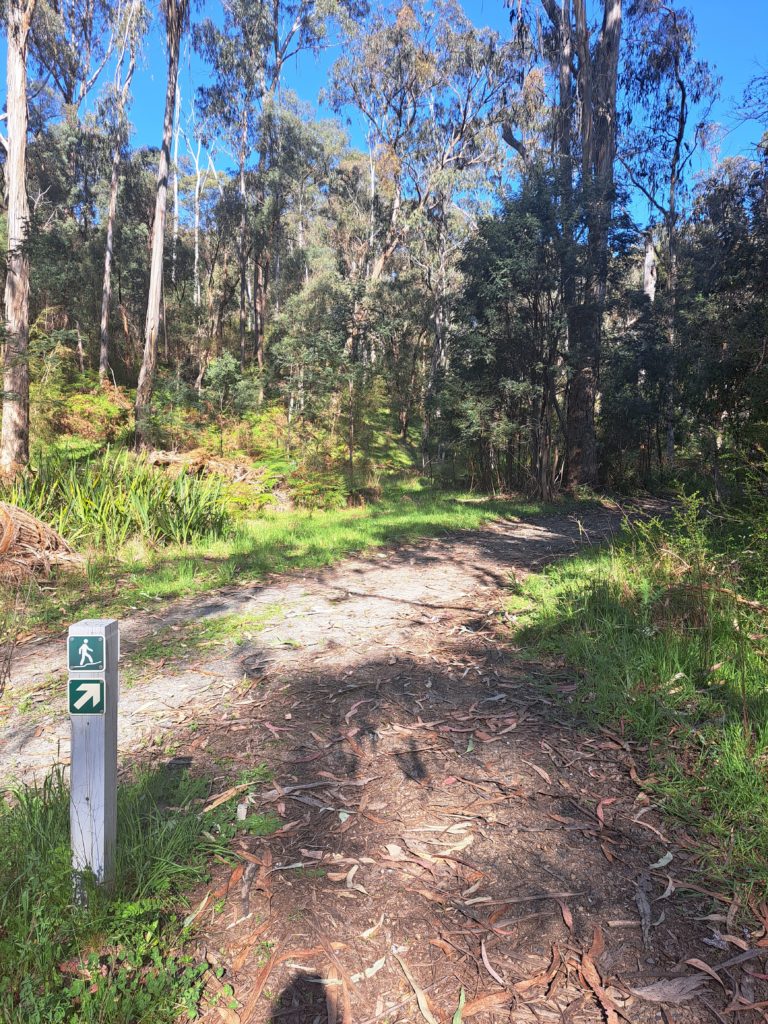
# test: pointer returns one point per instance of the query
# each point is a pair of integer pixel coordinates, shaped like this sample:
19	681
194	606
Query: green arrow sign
86	696
85	653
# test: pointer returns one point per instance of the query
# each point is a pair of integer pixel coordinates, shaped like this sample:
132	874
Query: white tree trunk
14	435
176	10
649	268
175	184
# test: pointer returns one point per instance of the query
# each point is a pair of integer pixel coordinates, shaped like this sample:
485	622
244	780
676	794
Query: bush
318	489
112	497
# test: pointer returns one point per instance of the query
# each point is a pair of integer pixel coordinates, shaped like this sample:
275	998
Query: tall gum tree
584	62
116	122
596	78
176	15
668	98
14	434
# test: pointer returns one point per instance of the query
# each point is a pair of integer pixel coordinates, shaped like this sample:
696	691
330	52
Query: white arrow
90	692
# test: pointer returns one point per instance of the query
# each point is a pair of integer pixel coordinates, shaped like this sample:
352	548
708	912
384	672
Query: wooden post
93	650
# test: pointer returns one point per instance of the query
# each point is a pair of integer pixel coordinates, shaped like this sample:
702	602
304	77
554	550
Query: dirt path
443	826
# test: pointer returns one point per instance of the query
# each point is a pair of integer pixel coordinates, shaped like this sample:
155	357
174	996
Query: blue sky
734	38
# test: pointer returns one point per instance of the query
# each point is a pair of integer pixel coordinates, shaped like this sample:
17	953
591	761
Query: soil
448	823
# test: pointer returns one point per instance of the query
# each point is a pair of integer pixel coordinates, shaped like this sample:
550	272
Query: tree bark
175	243
598	74
14	434
106	288
260	291
175	18
649	268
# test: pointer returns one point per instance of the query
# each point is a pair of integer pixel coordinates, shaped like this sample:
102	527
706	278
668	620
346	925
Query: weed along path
437	830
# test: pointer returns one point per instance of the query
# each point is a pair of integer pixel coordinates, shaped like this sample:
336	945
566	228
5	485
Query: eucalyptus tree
229	106
114	117
14	436
583	59
248	52
72	43
668	98
176	16
431	88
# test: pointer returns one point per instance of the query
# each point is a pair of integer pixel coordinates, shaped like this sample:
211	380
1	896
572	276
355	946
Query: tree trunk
584	358
196	272
242	255
175	242
106	288
14	436
669	401
598	74
261	285
649	268
175	16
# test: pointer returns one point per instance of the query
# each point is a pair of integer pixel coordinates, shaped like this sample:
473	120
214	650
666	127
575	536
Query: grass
272	542
670	657
121	959
107	498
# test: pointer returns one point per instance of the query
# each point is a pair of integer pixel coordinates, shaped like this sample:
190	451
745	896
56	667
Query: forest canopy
520	243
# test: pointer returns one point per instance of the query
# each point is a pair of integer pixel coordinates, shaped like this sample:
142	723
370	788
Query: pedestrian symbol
86	652
86	696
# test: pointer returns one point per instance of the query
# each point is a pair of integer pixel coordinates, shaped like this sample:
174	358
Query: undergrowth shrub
107	499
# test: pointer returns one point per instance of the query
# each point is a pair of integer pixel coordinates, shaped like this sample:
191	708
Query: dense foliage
455	267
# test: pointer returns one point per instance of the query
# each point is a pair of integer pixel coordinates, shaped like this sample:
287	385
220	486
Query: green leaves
457	1018
115	496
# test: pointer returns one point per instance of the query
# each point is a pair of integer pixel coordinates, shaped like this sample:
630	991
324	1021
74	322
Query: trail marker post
93	650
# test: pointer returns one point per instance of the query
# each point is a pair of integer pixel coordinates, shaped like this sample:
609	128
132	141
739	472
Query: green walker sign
86	697
85	653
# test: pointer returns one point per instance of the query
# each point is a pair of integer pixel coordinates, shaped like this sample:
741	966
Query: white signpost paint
93	650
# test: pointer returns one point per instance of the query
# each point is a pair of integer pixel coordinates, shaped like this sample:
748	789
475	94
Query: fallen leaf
457	1017
663	862
442	945
539	771
598	944
233	879
701	966
671	990
421	997
370	932
369	971
351	884
226	795
604	802
607	853
567	915
491	1001
543	979
487	963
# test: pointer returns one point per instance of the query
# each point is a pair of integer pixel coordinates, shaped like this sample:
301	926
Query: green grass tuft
120	960
104	500
672	658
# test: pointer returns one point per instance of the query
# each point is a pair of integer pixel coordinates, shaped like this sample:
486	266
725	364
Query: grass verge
272	542
674	657
122	959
